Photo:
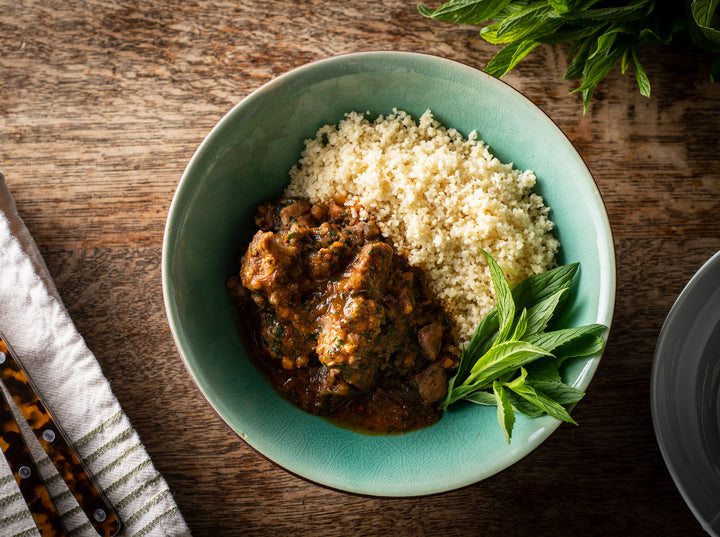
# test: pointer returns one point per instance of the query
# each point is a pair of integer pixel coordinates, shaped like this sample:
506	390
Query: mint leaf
509	57
425	12
604	44
557	338
544	370
505	413
520	326
562	6
585	345
635	10
524	22
466	11
558	391
642	79
586	97
541	313
625	60
540	286
503	297
482	397
502	358
524	407
543	402
519	381
576	68
569	34
597	68
566	6
706	24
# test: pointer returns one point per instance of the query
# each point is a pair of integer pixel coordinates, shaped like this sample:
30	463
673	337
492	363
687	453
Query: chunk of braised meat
338	212
331	383
264	217
315	390
405	301
346	341
319	212
284	342
366	229
432	383
328	232
430	338
400	303
327	261
269	271
297	211
369	270
283	214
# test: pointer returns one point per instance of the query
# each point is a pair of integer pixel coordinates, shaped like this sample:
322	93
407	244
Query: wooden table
102	104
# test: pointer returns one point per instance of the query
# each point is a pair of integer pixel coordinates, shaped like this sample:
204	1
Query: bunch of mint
603	33
513	359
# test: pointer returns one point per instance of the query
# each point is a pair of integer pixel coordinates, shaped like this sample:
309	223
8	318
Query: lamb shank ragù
341	324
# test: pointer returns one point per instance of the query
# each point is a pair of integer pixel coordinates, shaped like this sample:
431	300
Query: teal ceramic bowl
244	161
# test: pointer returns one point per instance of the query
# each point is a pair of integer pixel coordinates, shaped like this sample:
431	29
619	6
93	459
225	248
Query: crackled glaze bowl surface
244	161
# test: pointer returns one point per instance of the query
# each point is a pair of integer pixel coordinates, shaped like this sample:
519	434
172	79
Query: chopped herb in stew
344	327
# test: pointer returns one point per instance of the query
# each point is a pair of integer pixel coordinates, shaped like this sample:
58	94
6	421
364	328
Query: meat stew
343	327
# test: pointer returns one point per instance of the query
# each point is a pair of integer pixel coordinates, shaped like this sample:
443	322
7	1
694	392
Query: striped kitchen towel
68	376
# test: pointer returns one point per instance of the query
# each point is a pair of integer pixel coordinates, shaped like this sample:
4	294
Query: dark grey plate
685	394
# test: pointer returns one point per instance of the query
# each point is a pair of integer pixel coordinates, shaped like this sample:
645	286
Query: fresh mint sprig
513	361
602	33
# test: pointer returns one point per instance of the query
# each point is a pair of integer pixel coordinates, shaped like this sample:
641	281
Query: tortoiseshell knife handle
26	474
55	442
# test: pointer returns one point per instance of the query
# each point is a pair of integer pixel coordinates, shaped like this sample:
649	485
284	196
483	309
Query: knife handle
26	474
55	442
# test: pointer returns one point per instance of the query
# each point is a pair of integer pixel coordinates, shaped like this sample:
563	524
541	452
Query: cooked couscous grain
439	197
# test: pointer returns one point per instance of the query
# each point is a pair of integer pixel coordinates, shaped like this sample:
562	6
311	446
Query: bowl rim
174	210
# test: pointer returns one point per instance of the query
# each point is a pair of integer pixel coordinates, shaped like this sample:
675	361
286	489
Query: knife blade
56	444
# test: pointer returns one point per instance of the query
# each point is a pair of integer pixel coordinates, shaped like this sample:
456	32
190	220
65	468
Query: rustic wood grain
102	103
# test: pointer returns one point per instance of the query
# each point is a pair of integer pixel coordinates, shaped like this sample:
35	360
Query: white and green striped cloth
67	374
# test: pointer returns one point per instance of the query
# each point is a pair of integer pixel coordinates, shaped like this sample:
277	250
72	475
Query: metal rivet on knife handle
59	449
23	467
